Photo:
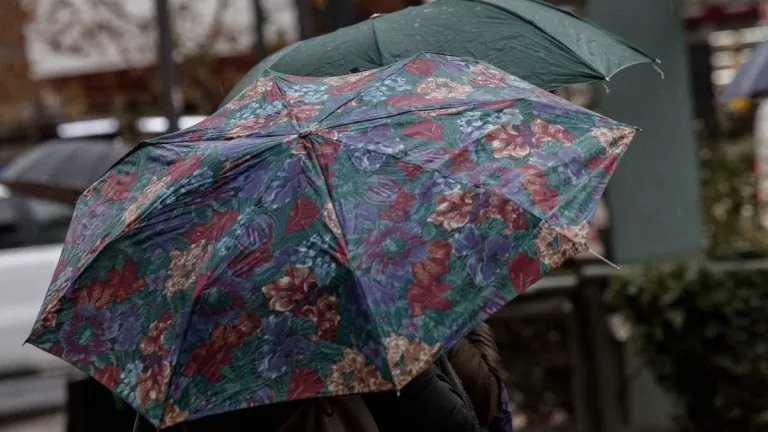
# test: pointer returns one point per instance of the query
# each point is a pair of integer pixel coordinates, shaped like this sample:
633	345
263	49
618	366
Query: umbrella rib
368	87
597	27
376	41
358	289
291	113
557	41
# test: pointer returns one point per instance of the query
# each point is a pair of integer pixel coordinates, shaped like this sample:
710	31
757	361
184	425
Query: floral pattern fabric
322	236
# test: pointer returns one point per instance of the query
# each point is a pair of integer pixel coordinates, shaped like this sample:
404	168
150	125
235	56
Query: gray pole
259	44
170	92
305	18
340	13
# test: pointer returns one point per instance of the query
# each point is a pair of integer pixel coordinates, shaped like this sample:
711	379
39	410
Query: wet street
47	423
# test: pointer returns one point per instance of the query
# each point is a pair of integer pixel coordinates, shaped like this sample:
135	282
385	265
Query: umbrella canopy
60	170
535	41
752	78
322	236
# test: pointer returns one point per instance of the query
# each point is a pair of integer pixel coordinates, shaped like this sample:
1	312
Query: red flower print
608	164
182	168
253	92
117	187
296	78
425	129
172	415
153	342
434	264
301	215
485	76
325	315
506	142
506	210
410	170
124	283
553	248
544	132
347	79
497	105
208	357
325	154
60	267
201	283
153	383
329	218
214	228
248	127
461	160
443	111
399	210
242	266
617	138
50	313
411	101
524	271
273	93
108	375
96	247
420	67
284	293
352	373
452	209
427	291
304	383
546	198
533	177
185	266
429	294
306	112
352	85
415	356
94	293
442	88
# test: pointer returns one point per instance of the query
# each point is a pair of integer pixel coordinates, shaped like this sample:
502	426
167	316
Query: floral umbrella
322	236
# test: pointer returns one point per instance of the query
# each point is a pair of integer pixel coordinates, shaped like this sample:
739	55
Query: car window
28	221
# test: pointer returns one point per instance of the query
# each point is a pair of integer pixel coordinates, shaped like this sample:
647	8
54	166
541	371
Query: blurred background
676	340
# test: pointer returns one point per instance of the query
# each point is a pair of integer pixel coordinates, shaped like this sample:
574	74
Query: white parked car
31	236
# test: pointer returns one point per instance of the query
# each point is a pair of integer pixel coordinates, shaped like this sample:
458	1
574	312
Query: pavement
33	403
32	394
56	422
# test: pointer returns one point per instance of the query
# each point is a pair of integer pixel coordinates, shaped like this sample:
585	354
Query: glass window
28	221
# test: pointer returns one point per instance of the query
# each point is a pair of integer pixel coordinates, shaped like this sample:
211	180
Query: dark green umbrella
538	42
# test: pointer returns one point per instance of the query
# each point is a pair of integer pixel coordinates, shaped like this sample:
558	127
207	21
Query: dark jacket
432	402
477	362
428	403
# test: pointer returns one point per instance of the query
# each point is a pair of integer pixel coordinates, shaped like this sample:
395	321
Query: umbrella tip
603	259
658	69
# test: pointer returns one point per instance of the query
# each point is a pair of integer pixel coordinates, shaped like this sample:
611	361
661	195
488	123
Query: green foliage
729	197
704	335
